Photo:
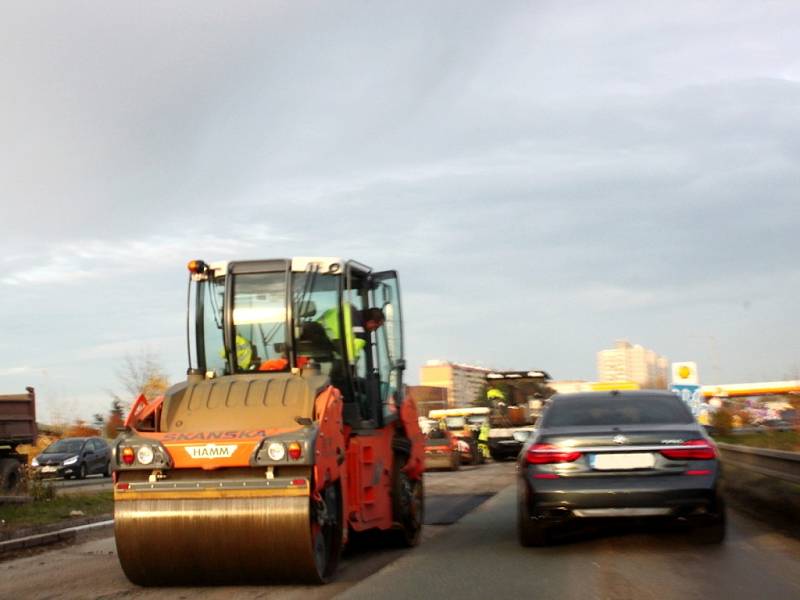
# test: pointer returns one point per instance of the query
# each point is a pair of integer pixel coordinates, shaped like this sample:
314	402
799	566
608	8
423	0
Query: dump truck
290	434
17	427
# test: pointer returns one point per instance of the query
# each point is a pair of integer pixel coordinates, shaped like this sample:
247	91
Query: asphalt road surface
90	570
477	557
480	558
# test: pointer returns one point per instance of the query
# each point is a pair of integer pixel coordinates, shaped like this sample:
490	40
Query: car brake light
699	450
547	454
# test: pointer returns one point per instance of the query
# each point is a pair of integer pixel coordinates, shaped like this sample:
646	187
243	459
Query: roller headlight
35	462
276	451
71	461
145	455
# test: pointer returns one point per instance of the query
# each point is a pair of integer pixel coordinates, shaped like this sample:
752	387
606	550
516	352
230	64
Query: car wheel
455	462
82	471
530	532
107	470
711	529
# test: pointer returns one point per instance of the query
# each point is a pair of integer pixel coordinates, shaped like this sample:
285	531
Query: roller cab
290	432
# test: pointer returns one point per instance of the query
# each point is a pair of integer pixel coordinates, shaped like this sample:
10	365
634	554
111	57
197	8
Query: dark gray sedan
74	457
618	454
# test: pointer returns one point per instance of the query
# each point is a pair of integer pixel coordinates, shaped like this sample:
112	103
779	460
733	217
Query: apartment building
464	383
632	362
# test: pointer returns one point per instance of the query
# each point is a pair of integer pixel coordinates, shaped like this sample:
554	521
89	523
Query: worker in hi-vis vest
244	353
357	327
483	439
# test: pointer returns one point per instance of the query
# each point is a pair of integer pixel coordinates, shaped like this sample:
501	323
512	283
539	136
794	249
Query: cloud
8	371
545	176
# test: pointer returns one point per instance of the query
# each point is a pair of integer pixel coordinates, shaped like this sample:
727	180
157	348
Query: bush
41	490
722	421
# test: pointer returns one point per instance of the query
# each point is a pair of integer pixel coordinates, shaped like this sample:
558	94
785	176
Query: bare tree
141	374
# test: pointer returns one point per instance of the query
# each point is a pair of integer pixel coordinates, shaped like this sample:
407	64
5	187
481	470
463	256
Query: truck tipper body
17	427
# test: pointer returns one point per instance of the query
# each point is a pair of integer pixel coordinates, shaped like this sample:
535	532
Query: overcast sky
546	176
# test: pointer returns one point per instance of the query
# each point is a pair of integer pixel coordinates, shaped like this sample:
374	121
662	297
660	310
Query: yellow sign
607	386
684	373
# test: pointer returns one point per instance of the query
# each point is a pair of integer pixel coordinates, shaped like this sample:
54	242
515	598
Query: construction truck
517	399
291	433
17	427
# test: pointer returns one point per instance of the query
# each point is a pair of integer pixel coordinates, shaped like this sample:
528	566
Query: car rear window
616	410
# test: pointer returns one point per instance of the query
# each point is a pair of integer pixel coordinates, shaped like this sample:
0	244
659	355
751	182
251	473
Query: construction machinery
441	448
517	399
291	432
463	424
17	427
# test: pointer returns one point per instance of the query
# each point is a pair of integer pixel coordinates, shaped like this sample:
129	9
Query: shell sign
684	373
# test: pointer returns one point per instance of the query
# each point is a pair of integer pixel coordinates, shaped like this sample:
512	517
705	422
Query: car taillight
699	450
547	454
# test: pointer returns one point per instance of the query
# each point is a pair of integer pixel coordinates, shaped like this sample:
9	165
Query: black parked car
74	457
618	454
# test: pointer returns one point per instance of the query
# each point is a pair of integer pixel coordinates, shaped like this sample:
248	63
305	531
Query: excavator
291	433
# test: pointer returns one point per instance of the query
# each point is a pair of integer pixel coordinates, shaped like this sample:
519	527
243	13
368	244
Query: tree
139	374
142	374
722	420
115	419
79	428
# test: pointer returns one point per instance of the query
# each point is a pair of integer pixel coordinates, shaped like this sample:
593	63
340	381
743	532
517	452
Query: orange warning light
196	266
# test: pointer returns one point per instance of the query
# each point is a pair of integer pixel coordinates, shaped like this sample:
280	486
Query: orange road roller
291	433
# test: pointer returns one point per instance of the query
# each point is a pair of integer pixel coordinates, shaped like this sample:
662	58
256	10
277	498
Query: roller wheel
408	505
10	475
326	532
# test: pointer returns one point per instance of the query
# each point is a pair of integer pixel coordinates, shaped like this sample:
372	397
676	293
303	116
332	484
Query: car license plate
49	469
619	461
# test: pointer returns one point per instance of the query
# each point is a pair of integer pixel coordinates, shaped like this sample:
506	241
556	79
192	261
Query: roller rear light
698	450
128	455
295	450
548	454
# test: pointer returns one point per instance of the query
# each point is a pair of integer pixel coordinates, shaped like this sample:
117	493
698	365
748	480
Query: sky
547	177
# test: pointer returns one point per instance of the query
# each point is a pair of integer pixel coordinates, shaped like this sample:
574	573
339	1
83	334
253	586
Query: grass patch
45	512
775	440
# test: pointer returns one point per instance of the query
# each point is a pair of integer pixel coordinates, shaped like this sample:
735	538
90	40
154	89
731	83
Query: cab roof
327	264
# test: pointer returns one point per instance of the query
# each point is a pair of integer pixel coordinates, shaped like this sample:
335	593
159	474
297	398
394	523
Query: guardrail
777	464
